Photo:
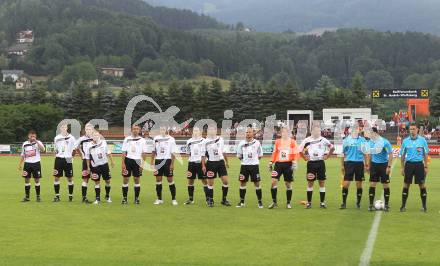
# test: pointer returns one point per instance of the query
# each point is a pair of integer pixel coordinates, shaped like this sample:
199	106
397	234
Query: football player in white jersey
82	144
315	149
195	148
215	165
98	156
30	155
249	151
162	159
64	151
133	158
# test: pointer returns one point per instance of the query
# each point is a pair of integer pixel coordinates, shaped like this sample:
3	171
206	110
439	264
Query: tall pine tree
82	101
358	91
435	102
201	108
186	102
108	106
120	105
216	102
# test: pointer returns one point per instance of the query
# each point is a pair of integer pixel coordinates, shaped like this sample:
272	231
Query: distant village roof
24	78
18	47
112	68
12	72
25	34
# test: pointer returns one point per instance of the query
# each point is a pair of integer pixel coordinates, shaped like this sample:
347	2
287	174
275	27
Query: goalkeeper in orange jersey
283	163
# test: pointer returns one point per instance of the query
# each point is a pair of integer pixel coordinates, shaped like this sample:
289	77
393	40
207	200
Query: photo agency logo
160	123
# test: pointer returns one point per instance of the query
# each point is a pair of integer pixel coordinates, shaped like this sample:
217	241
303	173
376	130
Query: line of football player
206	161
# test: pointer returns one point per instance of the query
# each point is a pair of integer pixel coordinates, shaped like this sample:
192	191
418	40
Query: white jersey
134	147
249	152
31	152
149	142
97	153
83	143
164	147
316	148
214	148
195	148
64	146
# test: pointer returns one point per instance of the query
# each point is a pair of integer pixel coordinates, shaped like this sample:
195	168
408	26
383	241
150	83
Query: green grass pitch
66	233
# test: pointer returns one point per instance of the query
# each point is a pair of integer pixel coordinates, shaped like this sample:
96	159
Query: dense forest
170	17
68	32
274	71
248	99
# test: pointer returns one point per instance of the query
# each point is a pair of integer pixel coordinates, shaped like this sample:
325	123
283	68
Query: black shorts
316	170
62	167
195	170
31	170
416	170
85	172
378	173
101	171
132	168
284	169
249	171
163	168
354	171
214	168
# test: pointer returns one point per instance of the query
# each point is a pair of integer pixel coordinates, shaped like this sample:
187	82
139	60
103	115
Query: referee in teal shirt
414	159
354	164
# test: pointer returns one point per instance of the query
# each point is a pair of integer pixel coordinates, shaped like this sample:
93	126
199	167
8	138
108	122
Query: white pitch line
369	245
368	250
